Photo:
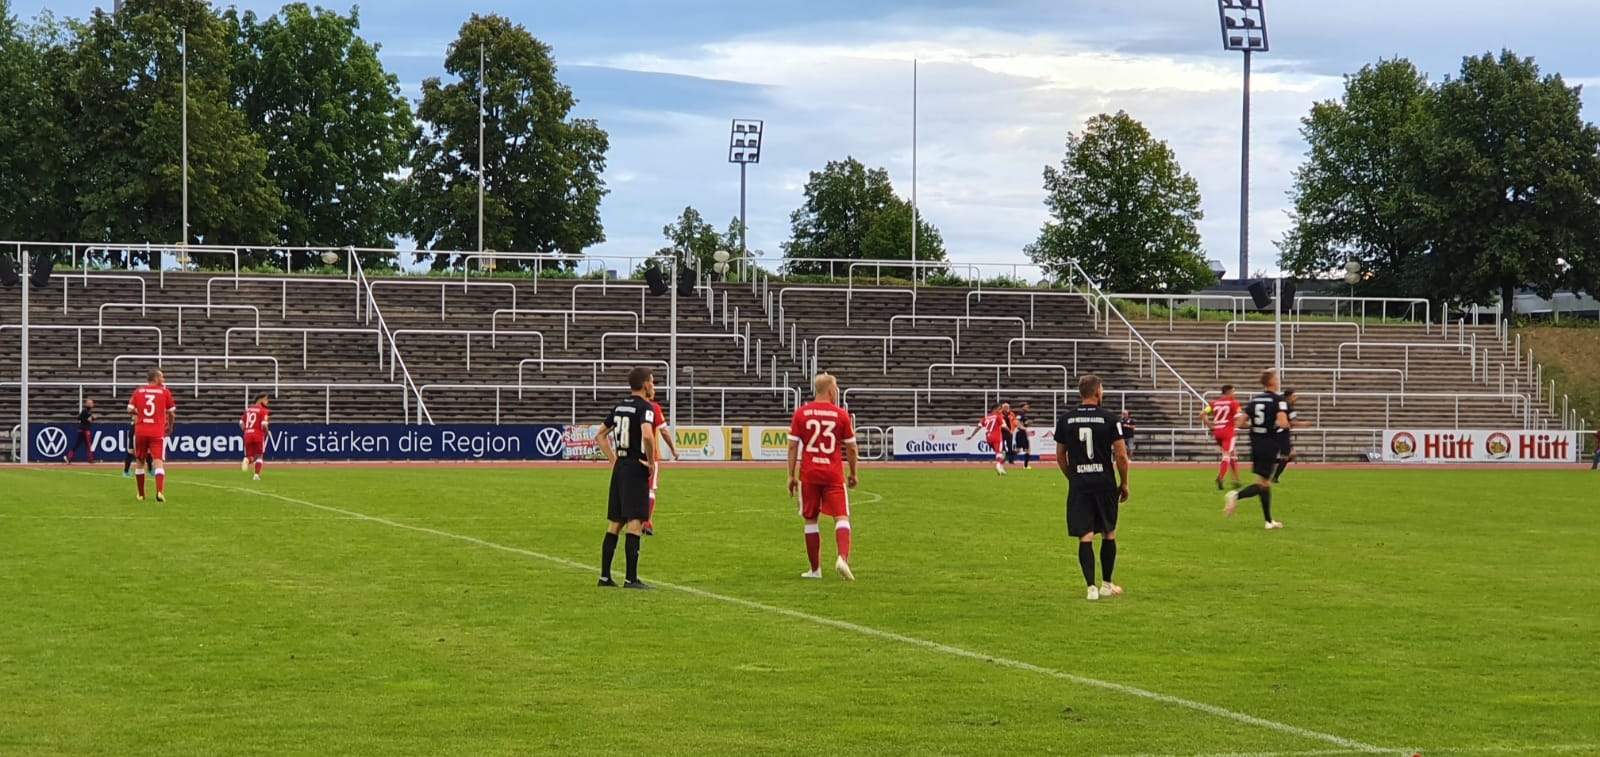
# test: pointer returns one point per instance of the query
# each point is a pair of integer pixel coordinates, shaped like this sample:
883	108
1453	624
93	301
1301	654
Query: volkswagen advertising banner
704	443
1414	446
769	443
952	443
315	441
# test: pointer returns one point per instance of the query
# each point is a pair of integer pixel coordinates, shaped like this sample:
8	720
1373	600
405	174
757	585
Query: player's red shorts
997	444
255	445
1226	441
831	500
153	447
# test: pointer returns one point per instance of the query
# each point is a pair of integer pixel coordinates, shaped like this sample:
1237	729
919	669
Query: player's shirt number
1086	436
624	431
150	406
821	438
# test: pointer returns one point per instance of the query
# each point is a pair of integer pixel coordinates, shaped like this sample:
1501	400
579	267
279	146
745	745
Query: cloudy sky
1002	83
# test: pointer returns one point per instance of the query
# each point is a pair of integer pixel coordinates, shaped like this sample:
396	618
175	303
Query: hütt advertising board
1442	446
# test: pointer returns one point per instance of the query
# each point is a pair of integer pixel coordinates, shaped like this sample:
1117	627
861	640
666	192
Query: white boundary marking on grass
1424	752
1352	746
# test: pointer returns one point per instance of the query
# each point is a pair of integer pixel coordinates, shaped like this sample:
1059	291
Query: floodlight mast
1244	29
744	148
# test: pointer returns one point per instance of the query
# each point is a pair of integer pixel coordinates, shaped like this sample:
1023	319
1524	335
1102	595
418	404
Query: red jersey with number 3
150	406
254	420
1223	411
822	429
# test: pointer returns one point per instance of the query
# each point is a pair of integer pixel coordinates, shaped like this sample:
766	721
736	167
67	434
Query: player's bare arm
607	449
851	456
648	443
1283	419
667	436
794	467
1061	459
1120	449
1241	420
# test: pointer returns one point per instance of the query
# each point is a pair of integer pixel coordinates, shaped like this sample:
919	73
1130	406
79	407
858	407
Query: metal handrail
305	338
1154	355
326	387
1407	346
144	286
603	287
1022	324
175	306
1066	376
568	317
395	358
791	395
100	333
444	284
283	302
887	341
737	338
849	297
1030	294
226	360
596	365
469	334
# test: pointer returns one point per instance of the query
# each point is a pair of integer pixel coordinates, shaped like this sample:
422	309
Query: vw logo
51	442
548	443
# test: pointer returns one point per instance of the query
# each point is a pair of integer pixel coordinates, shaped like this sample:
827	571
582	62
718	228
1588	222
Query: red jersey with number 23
151	405
254	421
822	429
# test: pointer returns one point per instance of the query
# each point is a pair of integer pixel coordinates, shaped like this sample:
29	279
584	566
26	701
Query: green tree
1512	182
1123	208
35	150
312	88
542	169
693	242
125	104
1357	196
852	213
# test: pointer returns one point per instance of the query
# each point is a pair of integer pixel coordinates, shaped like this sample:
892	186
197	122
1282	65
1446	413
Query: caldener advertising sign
1436	446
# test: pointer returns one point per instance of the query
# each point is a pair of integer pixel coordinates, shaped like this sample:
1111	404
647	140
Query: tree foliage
314	90
1122	207
692	242
125	106
542	168
35	147
852	213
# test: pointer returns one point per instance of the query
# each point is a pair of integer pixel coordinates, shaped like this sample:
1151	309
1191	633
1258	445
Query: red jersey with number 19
822	428
151	405
254	421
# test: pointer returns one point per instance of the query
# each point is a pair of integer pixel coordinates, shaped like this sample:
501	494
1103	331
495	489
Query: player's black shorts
1091	510
1021	441
630	492
1263	457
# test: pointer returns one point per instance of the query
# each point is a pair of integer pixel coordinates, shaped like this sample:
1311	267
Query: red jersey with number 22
151	405
1223	411
822	429
254	420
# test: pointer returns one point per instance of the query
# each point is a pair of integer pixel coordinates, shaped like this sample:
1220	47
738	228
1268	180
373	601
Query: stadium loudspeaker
1258	292
657	282
41	272
1288	295
8	272
687	279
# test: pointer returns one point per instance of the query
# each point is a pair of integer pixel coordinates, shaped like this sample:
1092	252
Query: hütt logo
51	442
549	442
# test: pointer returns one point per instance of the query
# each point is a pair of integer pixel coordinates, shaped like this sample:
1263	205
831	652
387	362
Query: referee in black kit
633	424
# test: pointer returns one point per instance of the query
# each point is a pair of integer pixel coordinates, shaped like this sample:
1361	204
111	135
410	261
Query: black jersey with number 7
1090	435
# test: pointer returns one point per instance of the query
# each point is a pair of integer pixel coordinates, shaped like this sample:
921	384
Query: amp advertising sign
1423	446
704	443
952	443
769	443
316	441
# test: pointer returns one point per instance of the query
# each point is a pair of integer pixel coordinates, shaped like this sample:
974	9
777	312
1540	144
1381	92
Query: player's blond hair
824	383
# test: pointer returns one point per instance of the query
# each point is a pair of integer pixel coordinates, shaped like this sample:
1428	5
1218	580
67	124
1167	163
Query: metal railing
1111	311
1058	399
738	339
594	365
999	368
248	395
1022	326
1033	297
283	296
568	317
790	395
469	334
305	338
1220	349
1472	363
396	360
143	307
99	333
444	284
66	287
886	341
161	360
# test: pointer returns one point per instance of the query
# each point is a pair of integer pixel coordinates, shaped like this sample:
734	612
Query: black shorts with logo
1091	510
1263	456
630	491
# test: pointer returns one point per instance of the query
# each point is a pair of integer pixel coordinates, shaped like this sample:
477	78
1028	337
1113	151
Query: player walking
85	439
663	437
1267	415
992	427
633	424
821	441
1221	414
253	425
1286	436
1022	444
153	411
1089	442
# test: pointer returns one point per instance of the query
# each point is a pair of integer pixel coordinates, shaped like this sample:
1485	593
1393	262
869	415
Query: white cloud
994	108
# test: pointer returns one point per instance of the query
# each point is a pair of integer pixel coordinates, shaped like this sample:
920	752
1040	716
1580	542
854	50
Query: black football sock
1266	504
631	549
1250	491
608	550
1086	560
127	463
1282	464
1108	558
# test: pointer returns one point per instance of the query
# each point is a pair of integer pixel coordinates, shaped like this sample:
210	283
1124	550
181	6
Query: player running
153	411
1089	442
821	440
253	425
1286	452
993	427
664	436
1221	414
1267	415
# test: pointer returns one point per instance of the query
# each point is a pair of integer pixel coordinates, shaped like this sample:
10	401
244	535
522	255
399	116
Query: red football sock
258	467
1222	470
1233	465
140	479
161	483
814	546
841	534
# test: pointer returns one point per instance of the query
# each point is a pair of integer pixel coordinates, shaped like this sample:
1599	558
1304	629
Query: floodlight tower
1244	29
744	148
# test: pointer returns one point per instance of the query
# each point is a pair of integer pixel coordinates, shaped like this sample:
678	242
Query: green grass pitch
434	610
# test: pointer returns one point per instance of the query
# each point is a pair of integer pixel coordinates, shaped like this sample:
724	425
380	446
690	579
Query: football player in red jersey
253	425
664	436
822	440
1220	414
153	411
993	427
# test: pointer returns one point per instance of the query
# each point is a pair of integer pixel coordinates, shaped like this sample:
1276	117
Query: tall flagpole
914	218
185	109
481	90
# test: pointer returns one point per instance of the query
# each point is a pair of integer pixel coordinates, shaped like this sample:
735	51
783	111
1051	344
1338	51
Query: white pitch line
1312	753
1351	745
1550	748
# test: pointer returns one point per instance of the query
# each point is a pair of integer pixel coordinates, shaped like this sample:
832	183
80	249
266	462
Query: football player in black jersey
631	453
1267	416
1091	453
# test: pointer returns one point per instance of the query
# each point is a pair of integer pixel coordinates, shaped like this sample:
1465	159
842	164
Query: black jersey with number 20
1090	434
626	423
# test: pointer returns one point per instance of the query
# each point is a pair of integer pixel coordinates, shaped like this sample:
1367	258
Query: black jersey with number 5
1263	413
1090	434
626	425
